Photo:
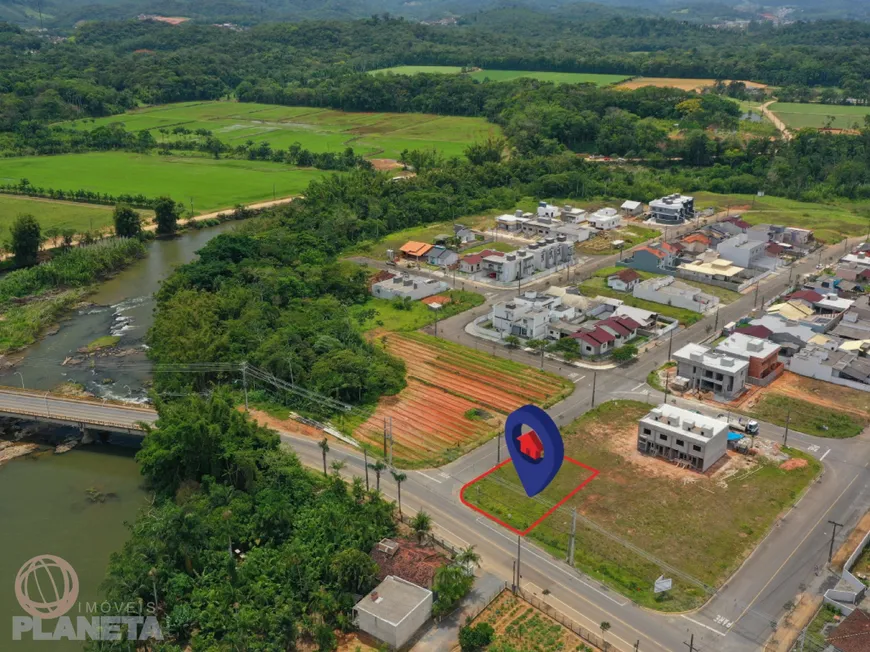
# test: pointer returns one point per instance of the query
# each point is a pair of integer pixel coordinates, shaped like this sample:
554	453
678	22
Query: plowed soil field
451	389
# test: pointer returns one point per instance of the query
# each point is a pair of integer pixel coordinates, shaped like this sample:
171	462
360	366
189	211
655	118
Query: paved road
42	406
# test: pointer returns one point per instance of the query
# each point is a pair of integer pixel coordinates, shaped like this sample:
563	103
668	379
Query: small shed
394	611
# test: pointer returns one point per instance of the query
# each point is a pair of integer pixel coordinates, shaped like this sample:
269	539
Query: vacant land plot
203	184
830	223
819	116
436	418
423	233
388	316
597	285
640	513
602	243
59	215
677	82
508	75
520	626
382	135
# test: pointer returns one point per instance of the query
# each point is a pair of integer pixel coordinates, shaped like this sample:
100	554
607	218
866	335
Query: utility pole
573	534
637	645
366	458
833	534
716	325
245	382
498	450
519	550
690	644
671	343
391	441
755	300
385	437
514	578
594	379
787	421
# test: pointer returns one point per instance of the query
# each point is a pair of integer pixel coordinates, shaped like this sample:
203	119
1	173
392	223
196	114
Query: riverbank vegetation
32	299
242	543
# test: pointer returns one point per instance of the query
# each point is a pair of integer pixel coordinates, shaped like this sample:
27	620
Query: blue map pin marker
538	454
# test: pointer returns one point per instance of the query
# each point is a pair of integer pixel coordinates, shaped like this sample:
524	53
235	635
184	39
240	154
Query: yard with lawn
820	116
376	135
494	246
597	286
642	517
830	223
59	215
204	184
387	315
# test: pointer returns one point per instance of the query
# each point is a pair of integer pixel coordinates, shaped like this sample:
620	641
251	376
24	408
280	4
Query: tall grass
72	269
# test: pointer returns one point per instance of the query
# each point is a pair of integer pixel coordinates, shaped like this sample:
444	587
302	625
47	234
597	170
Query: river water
44	503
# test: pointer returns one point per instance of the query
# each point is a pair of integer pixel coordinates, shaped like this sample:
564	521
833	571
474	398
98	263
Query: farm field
701	525
58	214
520	626
509	75
455	399
677	82
209	184
382	135
831	223
818	116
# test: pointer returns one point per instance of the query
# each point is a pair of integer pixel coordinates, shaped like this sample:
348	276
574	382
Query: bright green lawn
389	317
830	223
817	116
211	184
508	75
809	418
699	527
58	215
597	285
494	246
380	135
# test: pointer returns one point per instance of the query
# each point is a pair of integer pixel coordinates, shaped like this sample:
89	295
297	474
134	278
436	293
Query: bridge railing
69	399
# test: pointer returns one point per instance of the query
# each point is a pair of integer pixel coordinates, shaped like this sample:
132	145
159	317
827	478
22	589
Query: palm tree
468	558
377	467
605	626
422	525
324	446
337	466
399	477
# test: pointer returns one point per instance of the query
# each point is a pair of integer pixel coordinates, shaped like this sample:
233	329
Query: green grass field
509	75
58	215
829	222
809	418
818	116
376	135
702	527
210	184
387	316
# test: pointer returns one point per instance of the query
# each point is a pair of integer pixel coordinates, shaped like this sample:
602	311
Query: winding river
75	505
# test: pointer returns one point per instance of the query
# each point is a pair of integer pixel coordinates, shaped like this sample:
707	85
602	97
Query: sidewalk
444	636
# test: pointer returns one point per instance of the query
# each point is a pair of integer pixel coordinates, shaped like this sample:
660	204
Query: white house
394	611
407	286
745	251
512	222
670	292
683	437
530	315
709	371
605	219
548	210
624	280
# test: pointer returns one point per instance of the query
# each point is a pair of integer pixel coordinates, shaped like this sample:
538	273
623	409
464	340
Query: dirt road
779	124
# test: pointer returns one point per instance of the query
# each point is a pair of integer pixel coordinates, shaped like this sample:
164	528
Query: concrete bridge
81	413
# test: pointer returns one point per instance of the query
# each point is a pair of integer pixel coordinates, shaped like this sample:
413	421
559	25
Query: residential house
746	252
394	611
792	336
653	258
548	210
740	224
632	208
510	267
852	634
442	256
472	263
673	209
415	250
761	332
855	273
573	215
710	371
605	219
512	222
463	234
712	268
860	260
406	286
696	243
624	280
530	315
670	292
763	356
605	335
647	319
838	367
819	319
547	227
682	436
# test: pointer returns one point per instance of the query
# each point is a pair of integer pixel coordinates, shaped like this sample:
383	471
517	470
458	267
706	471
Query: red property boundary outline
523	533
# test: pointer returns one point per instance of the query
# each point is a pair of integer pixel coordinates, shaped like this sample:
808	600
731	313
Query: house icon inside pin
531	446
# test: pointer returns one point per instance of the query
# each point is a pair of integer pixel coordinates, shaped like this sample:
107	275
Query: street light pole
22	378
787	421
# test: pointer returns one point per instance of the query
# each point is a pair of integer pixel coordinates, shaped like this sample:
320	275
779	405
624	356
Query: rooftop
413	248
697	353
741	345
393	600
853	634
626	275
691	425
717	267
762	332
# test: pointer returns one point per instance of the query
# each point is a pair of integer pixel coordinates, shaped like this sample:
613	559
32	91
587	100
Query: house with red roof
472	263
696	243
759	331
606	335
654	258
624	280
